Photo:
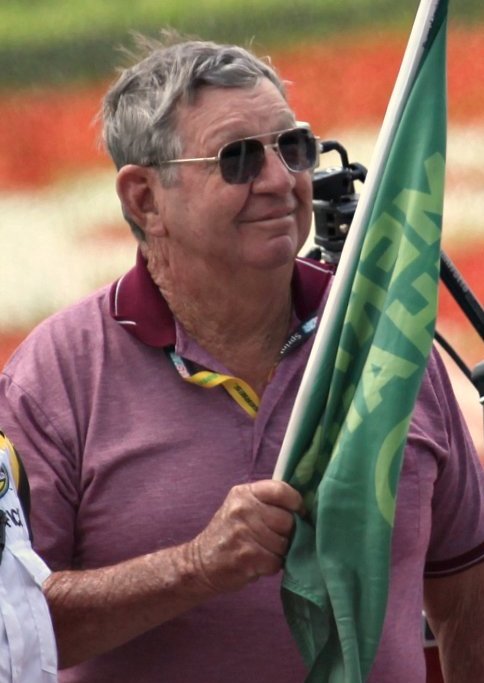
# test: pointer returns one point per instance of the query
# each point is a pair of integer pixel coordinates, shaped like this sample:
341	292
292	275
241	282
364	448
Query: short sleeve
457	532
27	401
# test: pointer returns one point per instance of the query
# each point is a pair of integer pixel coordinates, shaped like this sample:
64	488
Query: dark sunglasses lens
241	161
298	148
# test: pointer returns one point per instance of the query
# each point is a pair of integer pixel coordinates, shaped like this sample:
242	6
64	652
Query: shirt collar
137	304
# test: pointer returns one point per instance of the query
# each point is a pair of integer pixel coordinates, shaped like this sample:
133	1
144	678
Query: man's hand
98	609
248	536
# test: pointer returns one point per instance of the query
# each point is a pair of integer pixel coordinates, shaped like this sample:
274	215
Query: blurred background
61	230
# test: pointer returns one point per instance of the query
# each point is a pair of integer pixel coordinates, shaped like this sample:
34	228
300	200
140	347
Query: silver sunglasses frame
272	145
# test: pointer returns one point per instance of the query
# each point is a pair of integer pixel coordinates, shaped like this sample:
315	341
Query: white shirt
27	643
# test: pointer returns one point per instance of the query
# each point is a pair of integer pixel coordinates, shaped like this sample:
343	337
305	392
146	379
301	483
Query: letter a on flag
345	440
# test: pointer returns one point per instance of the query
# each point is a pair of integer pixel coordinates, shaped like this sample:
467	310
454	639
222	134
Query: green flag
344	445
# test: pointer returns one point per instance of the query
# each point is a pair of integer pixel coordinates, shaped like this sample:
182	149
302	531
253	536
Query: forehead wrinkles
220	115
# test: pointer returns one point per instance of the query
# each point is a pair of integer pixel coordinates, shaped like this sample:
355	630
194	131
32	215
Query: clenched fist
248	536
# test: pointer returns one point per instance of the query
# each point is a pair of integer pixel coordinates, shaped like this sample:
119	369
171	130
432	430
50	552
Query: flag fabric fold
345	440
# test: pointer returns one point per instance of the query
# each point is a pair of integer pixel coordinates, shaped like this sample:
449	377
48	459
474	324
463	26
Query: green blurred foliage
65	41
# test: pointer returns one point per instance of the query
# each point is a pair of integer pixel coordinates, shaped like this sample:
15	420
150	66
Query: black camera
334	202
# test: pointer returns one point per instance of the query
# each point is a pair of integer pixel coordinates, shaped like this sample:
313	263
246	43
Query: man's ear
135	186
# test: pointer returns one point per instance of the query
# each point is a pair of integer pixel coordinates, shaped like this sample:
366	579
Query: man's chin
275	253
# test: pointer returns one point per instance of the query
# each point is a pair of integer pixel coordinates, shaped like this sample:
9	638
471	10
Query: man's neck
241	321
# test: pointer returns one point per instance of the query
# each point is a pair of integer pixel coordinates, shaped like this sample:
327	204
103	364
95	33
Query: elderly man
151	413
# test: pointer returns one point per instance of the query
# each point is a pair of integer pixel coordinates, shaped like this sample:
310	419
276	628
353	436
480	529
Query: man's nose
274	175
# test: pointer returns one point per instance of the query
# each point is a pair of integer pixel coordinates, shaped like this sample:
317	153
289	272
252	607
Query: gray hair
139	110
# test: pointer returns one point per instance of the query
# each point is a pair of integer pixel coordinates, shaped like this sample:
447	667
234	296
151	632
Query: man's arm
94	611
455	610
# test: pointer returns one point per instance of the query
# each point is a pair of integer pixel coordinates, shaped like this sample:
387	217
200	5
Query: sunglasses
241	161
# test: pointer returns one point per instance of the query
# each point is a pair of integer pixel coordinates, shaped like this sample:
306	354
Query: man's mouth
273	215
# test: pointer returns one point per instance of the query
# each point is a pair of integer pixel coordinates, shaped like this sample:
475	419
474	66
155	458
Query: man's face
261	224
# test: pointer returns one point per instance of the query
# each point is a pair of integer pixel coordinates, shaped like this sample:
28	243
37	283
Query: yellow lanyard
239	390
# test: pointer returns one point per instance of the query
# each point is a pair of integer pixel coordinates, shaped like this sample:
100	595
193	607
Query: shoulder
74	328
84	314
436	408
453	471
56	365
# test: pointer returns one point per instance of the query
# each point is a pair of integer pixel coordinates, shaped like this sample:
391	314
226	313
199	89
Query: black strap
3	525
472	309
453	354
462	293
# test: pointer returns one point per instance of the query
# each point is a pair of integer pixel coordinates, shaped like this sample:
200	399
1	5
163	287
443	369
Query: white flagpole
411	60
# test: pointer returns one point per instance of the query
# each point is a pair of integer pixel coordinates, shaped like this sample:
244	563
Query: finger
277	493
276	544
243	506
276	519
